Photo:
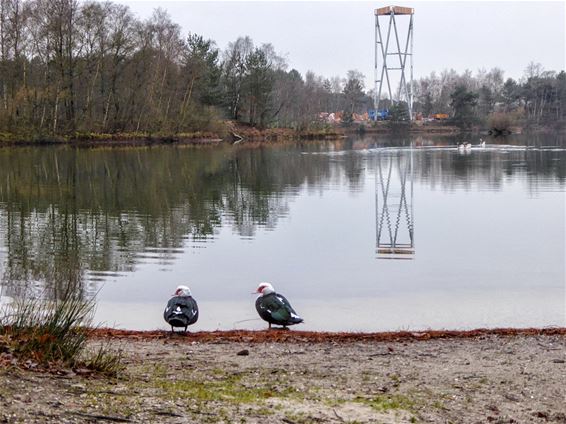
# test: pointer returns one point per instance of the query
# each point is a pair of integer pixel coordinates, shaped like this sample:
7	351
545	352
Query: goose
182	309
464	146
274	307
482	143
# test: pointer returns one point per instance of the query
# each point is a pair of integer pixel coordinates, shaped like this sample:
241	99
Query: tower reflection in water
394	204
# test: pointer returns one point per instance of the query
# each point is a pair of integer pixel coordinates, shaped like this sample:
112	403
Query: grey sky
330	38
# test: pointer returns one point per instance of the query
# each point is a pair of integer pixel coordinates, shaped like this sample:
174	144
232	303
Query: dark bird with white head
182	309
274	307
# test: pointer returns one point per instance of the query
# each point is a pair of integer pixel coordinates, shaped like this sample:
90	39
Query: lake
362	234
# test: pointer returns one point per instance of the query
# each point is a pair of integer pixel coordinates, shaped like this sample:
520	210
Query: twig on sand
101	417
167	413
337	416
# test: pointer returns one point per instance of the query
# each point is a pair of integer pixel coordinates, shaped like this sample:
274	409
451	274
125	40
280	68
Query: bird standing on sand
182	309
274	307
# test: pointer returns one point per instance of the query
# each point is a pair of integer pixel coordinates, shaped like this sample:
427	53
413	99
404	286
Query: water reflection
394	205
71	215
83	217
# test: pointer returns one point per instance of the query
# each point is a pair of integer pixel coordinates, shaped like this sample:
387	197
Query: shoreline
284	336
236	134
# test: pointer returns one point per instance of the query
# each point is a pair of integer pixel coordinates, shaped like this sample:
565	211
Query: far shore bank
233	133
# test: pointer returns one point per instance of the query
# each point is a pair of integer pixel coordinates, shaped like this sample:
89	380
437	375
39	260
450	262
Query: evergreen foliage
399	116
463	103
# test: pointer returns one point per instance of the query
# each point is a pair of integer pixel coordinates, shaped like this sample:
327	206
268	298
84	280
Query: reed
55	333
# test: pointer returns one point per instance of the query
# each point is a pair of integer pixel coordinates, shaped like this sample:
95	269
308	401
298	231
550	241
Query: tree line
69	67
538	98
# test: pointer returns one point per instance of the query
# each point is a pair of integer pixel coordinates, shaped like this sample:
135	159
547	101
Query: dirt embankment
113	140
229	132
500	376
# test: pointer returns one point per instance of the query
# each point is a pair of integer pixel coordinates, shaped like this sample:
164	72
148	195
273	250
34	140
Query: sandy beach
502	376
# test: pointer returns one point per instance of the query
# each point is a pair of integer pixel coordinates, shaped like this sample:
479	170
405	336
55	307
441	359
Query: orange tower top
397	10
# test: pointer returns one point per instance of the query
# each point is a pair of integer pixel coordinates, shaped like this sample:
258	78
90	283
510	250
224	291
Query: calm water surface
364	234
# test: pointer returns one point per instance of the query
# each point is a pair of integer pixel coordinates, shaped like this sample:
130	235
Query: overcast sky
330	38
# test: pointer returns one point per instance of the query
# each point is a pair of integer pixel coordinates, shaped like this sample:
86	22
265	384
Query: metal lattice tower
394	206
384	50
